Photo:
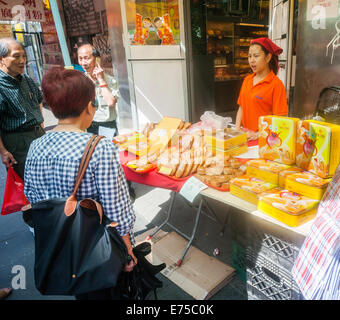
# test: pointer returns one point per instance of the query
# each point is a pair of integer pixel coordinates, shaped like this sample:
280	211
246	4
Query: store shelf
219	38
243	33
227	80
222	65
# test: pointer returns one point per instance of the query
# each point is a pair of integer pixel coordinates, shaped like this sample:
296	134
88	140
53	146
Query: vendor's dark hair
67	92
273	63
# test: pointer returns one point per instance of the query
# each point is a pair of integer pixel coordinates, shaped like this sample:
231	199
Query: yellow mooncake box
233	151
265	170
277	138
307	184
249	188
290	208
284	173
230	152
225	139
318	147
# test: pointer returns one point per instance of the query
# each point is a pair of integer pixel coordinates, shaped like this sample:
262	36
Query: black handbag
77	248
141	281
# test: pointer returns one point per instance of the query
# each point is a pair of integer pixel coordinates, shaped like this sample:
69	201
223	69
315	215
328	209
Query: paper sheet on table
191	188
252	153
106	132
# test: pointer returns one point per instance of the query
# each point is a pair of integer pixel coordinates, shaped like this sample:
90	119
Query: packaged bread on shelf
318	147
290	208
277	138
162	133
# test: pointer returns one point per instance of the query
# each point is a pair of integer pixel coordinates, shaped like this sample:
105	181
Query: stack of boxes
227	142
298	158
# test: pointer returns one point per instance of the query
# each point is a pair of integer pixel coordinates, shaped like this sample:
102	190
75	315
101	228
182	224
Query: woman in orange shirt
262	93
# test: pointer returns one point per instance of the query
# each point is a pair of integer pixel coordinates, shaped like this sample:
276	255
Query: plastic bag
211	120
14	197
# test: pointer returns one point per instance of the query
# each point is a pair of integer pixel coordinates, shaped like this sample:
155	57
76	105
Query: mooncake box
265	170
318	147
249	188
284	173
307	184
277	138
292	209
226	140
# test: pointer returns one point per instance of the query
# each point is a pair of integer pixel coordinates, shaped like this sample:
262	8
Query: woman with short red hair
53	160
262	93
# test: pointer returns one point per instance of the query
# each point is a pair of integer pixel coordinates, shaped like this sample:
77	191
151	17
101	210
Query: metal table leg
168	216
179	262
194	230
166	222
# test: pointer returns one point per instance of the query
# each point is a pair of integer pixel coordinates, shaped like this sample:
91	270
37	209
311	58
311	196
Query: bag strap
71	201
85	160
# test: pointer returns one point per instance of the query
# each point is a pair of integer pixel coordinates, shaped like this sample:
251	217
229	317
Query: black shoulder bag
77	248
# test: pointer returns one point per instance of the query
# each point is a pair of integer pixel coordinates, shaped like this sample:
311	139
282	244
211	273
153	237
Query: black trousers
18	144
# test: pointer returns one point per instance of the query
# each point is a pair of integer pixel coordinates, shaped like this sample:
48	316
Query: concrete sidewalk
17	242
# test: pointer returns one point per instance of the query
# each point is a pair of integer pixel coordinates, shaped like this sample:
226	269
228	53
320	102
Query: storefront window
154	22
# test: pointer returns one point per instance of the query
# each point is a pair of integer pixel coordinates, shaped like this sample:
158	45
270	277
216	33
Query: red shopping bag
14	197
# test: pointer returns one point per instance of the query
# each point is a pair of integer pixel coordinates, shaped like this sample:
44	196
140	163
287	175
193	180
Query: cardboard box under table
200	275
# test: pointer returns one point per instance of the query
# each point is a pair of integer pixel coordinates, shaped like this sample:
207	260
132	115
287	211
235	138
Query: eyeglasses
95	103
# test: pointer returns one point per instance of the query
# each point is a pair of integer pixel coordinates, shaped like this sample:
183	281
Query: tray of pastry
218	174
140	166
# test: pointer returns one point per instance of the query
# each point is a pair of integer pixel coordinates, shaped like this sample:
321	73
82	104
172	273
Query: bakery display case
229	42
220	34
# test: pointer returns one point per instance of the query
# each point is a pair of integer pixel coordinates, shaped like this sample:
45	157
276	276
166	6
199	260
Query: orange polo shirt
268	97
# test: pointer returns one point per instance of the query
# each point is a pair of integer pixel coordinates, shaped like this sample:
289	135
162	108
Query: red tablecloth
153	178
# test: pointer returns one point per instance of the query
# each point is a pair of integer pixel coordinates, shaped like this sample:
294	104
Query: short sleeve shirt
20	100
268	97
51	169
104	112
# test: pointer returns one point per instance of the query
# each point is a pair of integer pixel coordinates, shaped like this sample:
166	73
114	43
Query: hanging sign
6	31
322	9
22	10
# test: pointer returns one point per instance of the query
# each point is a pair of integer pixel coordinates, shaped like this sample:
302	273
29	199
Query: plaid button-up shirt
20	100
317	268
52	165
